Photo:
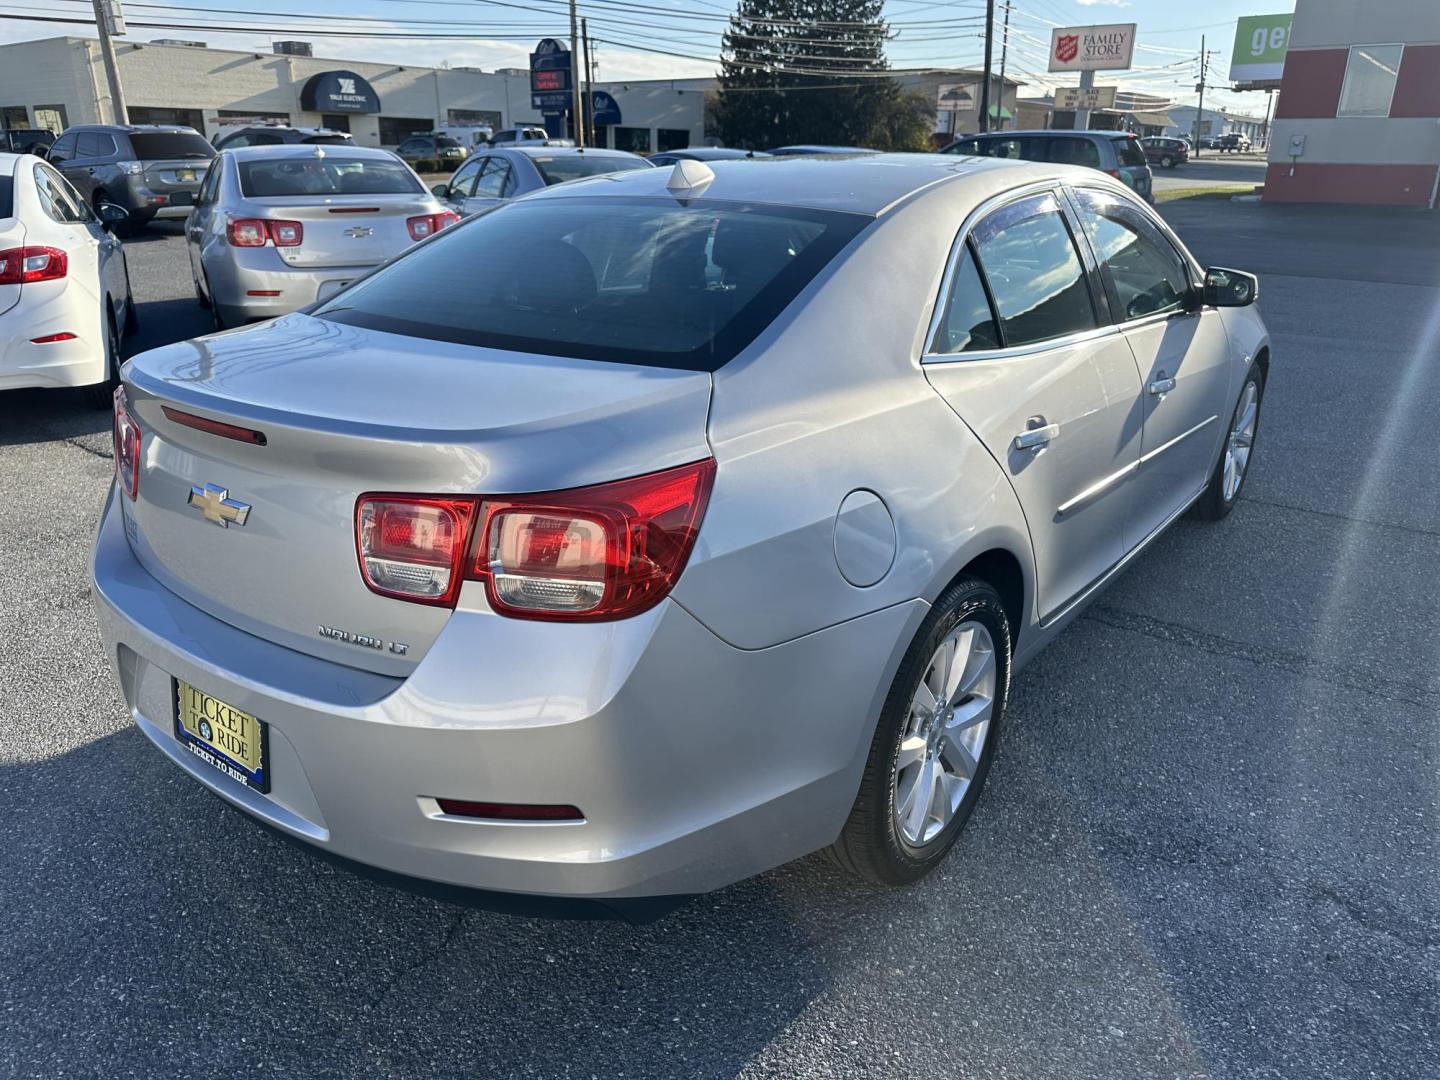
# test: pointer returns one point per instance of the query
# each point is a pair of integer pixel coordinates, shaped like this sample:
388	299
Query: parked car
817	150
148	170
495	175
1209	142
1165	152
1234	141
703	153
662	527
277	227
432	148
1115	152
523	136
65	303
25	141
233	138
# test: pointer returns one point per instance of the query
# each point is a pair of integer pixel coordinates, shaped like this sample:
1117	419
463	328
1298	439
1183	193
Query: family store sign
1092	48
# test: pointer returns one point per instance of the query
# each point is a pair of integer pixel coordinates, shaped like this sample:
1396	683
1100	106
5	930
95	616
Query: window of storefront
396	129
1369	80
250	116
335	121
51	118
147	114
671	139
488	117
634	139
14	116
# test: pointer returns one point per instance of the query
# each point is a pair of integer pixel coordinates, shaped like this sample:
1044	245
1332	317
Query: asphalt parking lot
1212	169
1210	846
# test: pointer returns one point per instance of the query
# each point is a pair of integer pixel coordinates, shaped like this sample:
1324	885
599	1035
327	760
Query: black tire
101	395
870	844
1212	504
217	321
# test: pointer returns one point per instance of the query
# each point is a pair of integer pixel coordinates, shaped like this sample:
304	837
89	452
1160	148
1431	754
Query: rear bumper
23	363
696	764
238	272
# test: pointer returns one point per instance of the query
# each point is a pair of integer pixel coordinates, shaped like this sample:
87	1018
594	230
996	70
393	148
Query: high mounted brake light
603	552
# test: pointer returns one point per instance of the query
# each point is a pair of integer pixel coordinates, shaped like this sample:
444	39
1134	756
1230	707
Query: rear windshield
635	281
445	140
159	145
279	177
561	167
1128	151
7	196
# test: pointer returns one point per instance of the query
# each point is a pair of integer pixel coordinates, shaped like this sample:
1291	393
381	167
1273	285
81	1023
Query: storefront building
1358	117
60	82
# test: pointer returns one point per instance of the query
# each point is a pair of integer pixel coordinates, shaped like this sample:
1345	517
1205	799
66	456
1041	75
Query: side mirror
441	191
1230	288
112	215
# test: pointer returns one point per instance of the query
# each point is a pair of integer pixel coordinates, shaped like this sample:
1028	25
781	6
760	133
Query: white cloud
1103	3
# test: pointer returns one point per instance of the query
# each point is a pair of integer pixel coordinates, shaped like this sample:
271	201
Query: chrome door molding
1153	454
1104	484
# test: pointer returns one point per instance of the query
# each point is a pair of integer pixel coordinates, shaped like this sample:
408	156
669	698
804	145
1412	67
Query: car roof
821	148
137	129
304	150
710	153
1064	133
8	160
862	184
568	151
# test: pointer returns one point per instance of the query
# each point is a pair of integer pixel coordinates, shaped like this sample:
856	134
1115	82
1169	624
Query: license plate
185	176
180	198
221	735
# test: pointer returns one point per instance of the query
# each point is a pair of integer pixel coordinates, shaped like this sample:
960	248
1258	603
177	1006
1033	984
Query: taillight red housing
256	232
587	554
22	265
429	224
125	442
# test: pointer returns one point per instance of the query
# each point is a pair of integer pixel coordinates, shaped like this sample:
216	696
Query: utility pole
120	115
589	82
985	86
577	114
1004	55
1200	109
1265	127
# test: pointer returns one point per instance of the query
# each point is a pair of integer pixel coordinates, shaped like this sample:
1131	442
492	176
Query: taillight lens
20	266
429	224
595	553
413	549
255	232
125	442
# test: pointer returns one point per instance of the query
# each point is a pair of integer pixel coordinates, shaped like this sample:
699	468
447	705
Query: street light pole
985	86
120	115
577	117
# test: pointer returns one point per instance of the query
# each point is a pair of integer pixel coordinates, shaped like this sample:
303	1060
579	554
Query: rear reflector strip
214	427
509	811
49	338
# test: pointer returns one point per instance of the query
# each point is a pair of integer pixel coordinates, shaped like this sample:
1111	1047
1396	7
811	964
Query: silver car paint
525	176
766	663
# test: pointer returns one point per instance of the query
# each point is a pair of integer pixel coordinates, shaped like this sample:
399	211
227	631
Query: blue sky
659	38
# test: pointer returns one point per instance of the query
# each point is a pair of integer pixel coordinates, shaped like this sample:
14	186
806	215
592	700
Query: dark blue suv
1118	153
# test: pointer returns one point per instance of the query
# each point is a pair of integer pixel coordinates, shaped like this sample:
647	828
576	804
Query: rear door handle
1162	386
1037	438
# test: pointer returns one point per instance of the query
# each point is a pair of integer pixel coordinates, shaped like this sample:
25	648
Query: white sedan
65	302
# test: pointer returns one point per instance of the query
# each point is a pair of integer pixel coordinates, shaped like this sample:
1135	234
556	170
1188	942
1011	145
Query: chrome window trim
1055	186
1155	219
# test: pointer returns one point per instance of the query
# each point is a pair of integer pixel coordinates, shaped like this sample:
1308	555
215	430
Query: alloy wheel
945	732
1240	440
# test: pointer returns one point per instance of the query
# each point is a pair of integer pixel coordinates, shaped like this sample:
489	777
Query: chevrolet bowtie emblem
217	506
359	231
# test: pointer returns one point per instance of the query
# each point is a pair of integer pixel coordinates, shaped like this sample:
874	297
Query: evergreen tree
811	71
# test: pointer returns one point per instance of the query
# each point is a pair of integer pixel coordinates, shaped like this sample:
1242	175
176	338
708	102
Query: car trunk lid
348	230
178	179
346	411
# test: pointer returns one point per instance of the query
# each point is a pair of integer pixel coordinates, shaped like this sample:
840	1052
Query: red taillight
255	232
509	811
429	224
125	442
603	552
1114	172
413	549
20	266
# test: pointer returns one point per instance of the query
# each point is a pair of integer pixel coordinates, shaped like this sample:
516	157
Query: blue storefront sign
550	85
605	109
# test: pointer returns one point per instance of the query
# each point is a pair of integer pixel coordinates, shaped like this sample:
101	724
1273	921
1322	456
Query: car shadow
156	231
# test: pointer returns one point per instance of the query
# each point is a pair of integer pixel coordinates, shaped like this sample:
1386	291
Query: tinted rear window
7	196
159	145
636	281
555	170
445	140
1128	151
282	177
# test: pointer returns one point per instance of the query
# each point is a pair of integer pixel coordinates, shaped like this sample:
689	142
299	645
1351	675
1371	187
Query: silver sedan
277	227
657	529
496	175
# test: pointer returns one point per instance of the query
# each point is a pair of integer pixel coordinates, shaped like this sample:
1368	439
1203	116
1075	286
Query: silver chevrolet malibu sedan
657	529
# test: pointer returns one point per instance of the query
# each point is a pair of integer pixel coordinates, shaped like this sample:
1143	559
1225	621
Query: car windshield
1128	151
7	196
158	145
561	167
445	140
280	177
639	281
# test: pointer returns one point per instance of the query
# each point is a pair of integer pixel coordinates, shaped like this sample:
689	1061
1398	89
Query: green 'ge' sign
1260	44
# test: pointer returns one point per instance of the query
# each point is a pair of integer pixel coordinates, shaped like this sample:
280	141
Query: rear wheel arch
1262	361
1001	569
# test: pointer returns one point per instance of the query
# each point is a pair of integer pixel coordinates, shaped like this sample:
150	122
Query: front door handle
1038	436
1162	386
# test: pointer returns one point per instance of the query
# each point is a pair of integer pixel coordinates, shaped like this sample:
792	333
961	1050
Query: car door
1180	349
93	254
1023	352
491	186
462	184
198	220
